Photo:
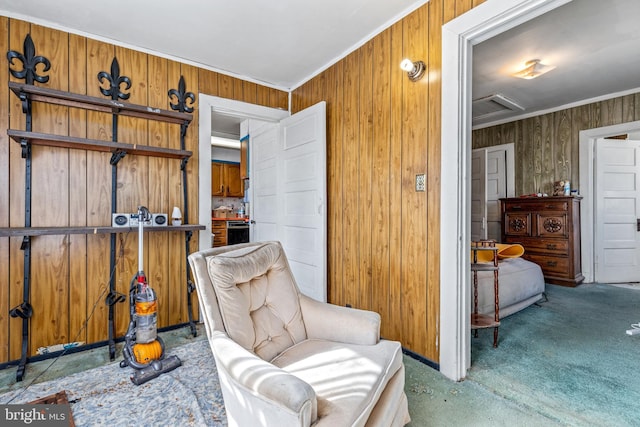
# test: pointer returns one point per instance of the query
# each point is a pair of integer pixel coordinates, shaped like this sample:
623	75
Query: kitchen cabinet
219	230
226	180
549	230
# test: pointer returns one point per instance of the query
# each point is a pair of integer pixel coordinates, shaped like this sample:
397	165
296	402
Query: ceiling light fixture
216	141
415	70
533	69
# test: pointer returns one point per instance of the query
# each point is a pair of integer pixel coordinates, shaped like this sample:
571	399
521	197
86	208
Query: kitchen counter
230	219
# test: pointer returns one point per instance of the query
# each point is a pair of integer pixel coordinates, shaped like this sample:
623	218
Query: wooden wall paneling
335	215
262	95
462	6
133	175
365	160
414	213
398	80
50	203
249	92
611	111
238	89
190	74
18	30
628	108
208	82
5	319
225	86
78	280
158	247
176	239
381	209
278	99
99	57
433	170
448	10
562	147
349	206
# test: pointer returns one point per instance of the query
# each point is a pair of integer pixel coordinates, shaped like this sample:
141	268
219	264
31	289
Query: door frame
207	105
588	218
458	37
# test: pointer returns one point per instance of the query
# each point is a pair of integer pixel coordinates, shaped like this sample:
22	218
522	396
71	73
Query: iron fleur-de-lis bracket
30	62
115	80
182	96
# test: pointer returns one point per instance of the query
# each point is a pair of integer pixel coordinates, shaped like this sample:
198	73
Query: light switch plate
420	182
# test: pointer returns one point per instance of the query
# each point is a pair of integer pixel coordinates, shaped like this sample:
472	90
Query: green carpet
569	358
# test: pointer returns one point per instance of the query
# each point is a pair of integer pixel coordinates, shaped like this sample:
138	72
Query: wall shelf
51	140
56	231
67	99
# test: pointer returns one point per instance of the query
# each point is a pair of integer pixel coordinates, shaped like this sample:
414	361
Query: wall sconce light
533	69
415	70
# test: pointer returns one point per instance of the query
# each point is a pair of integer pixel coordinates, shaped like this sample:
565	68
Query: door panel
264	178
617	200
302	191
478	195
496	188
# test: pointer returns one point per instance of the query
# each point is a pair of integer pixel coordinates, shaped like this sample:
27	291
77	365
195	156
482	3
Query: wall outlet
420	182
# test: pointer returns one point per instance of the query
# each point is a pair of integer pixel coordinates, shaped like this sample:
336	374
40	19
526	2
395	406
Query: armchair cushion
258	299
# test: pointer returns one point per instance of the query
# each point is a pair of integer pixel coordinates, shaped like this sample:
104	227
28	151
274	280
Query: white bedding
521	284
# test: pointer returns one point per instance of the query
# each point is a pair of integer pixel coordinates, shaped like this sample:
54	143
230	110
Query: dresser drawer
552	225
542	205
552	266
547	246
517	224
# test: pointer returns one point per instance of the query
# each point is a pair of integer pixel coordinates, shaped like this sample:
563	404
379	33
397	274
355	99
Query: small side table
478	320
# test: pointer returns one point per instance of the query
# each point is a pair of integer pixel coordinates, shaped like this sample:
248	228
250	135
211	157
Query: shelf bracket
116	156
190	285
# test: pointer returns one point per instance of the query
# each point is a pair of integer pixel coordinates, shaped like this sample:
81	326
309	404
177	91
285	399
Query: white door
263	164
496	188
478	195
492	178
290	205
617	201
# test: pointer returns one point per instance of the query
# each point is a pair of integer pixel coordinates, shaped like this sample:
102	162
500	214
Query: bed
521	284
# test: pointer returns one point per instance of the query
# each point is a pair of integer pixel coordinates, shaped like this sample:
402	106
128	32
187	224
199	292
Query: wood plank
60	141
413	214
78	281
158	258
103	105
99	56
365	163
381	195
398	80
262	95
5	321
50	204
225	86
175	197
349	151
18	30
249	92
208	82
335	217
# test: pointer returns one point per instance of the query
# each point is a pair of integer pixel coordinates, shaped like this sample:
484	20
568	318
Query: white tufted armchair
284	359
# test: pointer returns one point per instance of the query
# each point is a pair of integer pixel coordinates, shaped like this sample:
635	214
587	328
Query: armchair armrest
258	390
341	324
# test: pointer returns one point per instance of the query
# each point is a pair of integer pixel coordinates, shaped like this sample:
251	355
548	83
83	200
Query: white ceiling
279	43
595	44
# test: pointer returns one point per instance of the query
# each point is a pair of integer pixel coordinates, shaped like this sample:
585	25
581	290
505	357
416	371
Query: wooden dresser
549	230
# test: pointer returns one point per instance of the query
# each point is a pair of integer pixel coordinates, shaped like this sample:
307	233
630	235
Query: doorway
209	105
458	37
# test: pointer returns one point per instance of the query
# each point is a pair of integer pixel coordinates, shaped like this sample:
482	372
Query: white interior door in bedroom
617	210
492	178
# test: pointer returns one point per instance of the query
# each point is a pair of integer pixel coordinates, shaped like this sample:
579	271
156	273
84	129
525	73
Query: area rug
187	396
